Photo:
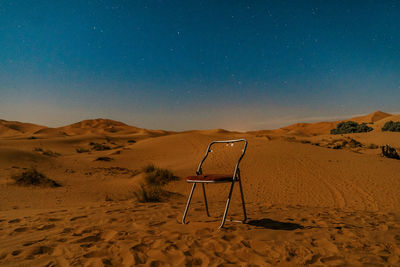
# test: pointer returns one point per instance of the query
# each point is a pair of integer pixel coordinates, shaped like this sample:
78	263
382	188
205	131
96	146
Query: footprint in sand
20	229
46	227
77	217
92	238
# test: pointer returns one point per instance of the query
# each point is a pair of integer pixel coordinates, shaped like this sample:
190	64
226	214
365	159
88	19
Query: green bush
392	126
35	178
346	127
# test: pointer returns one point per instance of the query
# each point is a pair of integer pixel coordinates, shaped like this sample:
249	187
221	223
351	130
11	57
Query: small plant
372	146
346	127
391	126
150	193
104	159
99	147
32	137
158	176
51	153
149	168
81	150
34	178
390	152
153	188
46	152
354	143
131	141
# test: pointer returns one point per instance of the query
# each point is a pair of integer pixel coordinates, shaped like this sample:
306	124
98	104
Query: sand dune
373	117
15	128
323	128
307	204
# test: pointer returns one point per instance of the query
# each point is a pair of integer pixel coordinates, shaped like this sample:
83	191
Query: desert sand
307	203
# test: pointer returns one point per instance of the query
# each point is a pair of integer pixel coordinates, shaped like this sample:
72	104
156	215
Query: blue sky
177	65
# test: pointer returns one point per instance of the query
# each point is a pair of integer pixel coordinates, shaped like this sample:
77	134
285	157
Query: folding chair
218	178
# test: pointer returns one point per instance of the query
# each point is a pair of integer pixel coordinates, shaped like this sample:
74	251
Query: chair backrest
223	156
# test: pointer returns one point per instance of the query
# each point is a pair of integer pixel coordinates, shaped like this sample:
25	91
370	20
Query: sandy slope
306	204
321	128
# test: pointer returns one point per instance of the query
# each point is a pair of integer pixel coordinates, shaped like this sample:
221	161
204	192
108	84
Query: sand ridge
308	204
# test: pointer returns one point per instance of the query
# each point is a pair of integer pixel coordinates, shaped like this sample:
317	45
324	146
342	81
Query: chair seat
210	178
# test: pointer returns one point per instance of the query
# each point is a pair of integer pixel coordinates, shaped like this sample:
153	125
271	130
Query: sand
307	203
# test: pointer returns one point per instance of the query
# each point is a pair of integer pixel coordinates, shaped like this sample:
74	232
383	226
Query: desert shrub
51	153
153	188
343	143
390	152
99	147
149	168
132	141
150	193
104	159
372	146
32	137
46	152
354	143
34	178
158	176
345	127
81	150
392	126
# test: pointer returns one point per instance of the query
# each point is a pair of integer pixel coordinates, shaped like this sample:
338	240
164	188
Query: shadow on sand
275	225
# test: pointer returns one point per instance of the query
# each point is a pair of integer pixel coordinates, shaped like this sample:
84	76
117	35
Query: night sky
177	65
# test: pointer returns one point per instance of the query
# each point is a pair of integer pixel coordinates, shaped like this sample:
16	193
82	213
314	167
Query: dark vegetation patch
150	193
81	150
131	141
99	147
46	152
32	137
152	190
32	177
158	176
104	159
112	171
372	146
346	127
391	126
390	152
51	153
344	143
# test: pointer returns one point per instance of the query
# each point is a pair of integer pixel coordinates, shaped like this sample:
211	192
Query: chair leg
244	207
188	203
227	206
205	199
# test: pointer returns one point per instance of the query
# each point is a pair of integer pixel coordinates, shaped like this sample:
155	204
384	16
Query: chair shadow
275	225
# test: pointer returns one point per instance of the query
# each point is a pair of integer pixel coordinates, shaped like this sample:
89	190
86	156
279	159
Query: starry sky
179	65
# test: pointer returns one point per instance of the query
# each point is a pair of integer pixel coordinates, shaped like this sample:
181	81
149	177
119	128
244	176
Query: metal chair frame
235	178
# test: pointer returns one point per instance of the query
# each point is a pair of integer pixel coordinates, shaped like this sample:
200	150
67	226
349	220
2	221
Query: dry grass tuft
153	188
33	177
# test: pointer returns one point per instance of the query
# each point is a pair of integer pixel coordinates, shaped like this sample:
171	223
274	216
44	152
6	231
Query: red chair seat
210	178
